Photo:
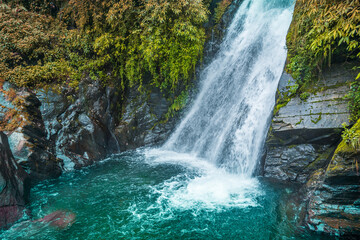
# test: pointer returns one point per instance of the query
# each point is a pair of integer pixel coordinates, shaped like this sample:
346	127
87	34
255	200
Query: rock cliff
302	147
14	186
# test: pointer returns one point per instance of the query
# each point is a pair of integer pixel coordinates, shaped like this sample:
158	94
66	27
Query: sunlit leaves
162	37
320	29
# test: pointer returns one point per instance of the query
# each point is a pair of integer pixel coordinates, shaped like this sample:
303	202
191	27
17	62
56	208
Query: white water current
224	130
228	120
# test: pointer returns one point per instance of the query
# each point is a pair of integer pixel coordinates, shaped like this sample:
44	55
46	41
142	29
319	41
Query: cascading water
199	185
227	122
225	128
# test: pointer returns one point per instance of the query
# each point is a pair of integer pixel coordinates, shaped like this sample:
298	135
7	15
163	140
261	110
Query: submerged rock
59	219
14	186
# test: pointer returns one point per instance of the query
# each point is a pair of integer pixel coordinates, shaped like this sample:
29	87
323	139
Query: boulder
14	186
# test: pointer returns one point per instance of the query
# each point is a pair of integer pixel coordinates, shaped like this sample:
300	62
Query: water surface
156	194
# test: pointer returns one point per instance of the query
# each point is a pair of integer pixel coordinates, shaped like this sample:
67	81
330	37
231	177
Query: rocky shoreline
304	147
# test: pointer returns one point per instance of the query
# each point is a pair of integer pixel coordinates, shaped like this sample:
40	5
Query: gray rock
323	110
294	163
319	119
140	123
334	197
300	148
29	144
80	126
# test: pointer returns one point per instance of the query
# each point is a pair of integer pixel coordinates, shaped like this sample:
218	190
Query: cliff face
305	132
334	203
303	147
14	186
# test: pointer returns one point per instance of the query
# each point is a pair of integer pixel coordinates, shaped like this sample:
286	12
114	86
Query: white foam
209	187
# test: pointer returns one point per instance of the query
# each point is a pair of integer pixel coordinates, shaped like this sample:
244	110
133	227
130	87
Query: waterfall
228	120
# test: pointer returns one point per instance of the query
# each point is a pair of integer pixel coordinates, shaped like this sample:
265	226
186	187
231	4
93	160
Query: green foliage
178	104
354	101
293	89
127	43
220	9
351	136
321	32
285	97
26	39
304	96
86	14
163	38
39	50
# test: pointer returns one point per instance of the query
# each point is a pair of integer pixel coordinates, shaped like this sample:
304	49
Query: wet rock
304	132
334	195
81	125
14	186
59	219
217	31
319	118
28	142
41	162
140	123
295	163
300	148
18	145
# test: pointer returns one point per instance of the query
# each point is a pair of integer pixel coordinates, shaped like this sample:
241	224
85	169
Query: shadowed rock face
296	163
14	186
79	125
140	121
41	162
334	200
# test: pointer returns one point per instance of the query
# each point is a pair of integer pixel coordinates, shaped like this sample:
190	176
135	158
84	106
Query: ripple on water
151	194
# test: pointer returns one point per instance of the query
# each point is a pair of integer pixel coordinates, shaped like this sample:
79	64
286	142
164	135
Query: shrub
321	32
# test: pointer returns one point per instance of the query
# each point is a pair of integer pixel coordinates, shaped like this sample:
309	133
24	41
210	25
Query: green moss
304	96
345	146
278	106
317	120
299	122
319	161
